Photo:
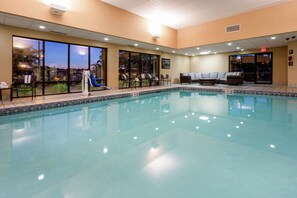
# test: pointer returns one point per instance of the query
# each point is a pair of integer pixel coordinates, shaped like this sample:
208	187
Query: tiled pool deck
46	102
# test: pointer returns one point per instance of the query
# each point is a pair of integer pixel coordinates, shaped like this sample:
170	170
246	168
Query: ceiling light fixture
42	27
106	39
204	53
273	38
157	48
198	48
135	44
242	50
155	29
229	44
57	9
238	48
173	51
186	54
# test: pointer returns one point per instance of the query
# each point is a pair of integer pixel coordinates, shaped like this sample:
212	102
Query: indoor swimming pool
174	144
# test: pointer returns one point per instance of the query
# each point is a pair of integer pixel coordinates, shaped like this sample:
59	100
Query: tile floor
22	102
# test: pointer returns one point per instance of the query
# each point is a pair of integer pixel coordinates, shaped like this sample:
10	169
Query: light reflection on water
171	144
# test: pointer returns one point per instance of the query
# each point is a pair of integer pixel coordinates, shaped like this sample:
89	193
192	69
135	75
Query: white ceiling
249	44
184	13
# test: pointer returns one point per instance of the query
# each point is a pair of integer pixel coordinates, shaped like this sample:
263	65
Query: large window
132	64
98	64
79	61
58	66
256	67
27	59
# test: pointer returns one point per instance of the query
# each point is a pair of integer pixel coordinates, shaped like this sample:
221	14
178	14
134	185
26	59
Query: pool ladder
135	94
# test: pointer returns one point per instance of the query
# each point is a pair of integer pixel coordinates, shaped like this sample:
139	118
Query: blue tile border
267	93
30	108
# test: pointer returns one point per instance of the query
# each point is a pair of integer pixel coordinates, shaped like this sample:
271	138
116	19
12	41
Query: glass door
248	66
135	66
263	68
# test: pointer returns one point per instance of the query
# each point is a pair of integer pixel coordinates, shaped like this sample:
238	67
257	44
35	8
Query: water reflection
86	150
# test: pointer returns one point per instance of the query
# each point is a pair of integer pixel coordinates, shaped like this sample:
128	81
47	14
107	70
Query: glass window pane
79	56
155	63
56	67
146	64
27	59
123	68
98	65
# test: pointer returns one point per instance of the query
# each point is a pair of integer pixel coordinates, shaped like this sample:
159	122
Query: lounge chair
93	82
165	78
125	81
144	80
25	84
153	80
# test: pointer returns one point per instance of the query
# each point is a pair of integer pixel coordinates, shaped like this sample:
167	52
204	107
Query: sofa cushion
205	75
229	74
192	76
213	75
198	75
221	75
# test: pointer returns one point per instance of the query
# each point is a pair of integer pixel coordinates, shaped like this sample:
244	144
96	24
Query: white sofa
221	77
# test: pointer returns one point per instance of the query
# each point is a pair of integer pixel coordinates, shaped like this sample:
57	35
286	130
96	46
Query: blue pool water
166	145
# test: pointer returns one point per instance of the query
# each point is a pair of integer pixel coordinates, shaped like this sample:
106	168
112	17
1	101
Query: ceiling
179	14
248	44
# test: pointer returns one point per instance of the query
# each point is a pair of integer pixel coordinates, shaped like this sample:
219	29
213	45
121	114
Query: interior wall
263	22
209	63
220	63
95	16
292	70
178	62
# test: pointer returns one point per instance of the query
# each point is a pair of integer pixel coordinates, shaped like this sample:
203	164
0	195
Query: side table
2	89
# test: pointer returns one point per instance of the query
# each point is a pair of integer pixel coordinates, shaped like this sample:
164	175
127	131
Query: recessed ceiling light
229	44
173	51
204	53
242	50
42	27
193	55
273	37
136	44
215	53
238	48
186	53
157	48
106	39
198	48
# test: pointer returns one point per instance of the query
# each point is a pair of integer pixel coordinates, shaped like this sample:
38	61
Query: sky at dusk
56	54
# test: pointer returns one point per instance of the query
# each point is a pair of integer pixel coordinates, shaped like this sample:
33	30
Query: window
132	64
27	59
256	67
79	61
58	66
98	64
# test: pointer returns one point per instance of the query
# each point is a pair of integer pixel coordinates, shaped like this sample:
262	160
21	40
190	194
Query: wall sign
165	63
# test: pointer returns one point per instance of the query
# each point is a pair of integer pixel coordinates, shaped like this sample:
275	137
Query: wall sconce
155	30
57	9
156	36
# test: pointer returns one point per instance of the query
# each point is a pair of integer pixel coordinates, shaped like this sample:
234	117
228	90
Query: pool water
167	145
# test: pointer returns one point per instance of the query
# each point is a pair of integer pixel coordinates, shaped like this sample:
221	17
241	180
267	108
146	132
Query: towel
27	79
